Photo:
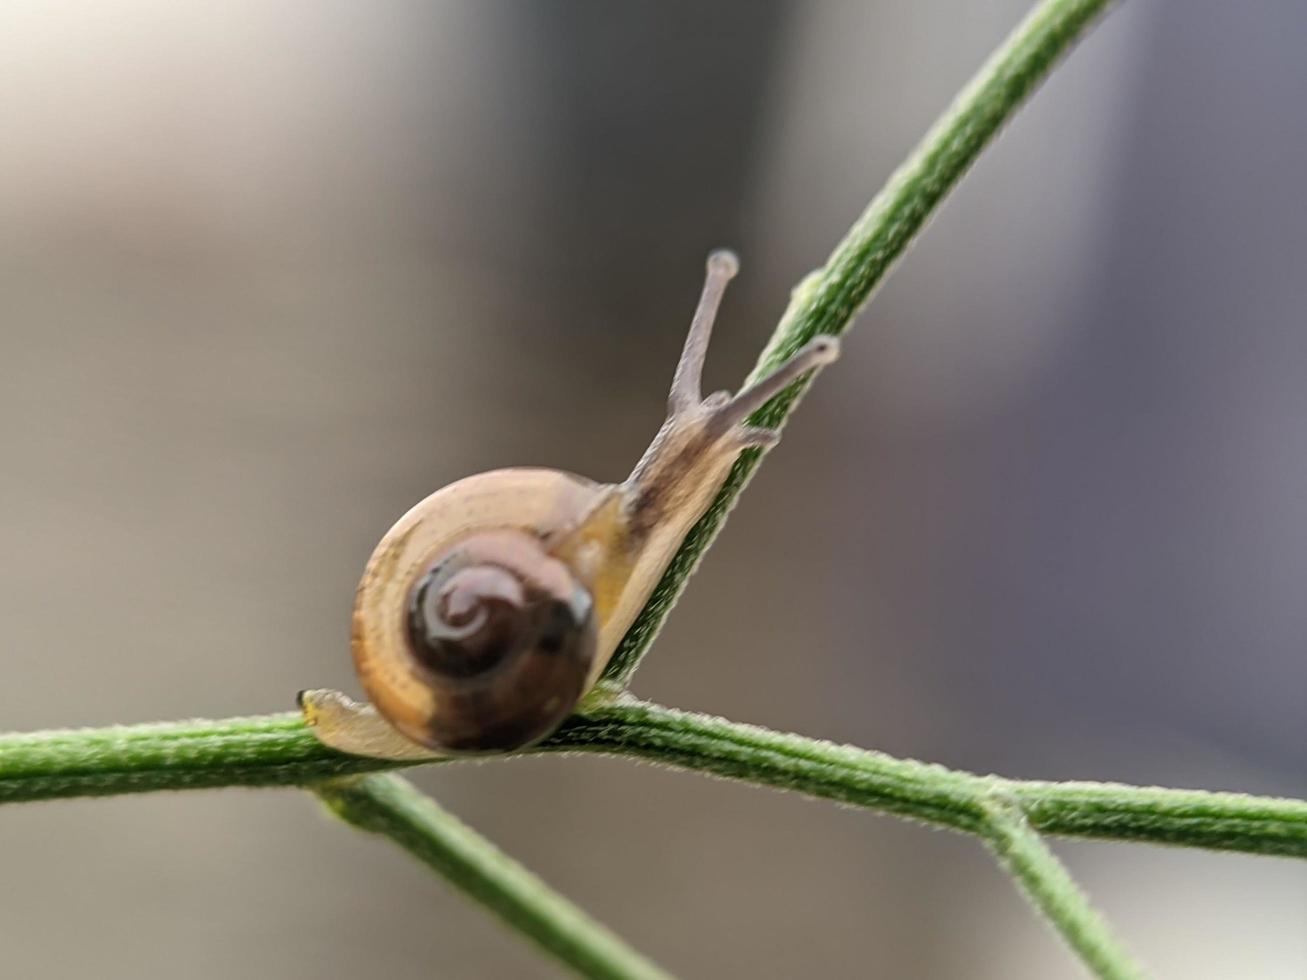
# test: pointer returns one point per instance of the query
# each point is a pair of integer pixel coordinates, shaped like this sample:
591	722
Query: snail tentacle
721	413
813	356
688	458
687	383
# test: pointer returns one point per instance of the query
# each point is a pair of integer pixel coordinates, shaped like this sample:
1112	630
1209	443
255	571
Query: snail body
491	607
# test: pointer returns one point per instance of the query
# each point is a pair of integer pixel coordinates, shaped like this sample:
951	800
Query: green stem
1051	890
829	299
390	805
278	750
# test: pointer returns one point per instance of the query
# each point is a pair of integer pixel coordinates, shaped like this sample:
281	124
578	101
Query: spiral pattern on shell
504	635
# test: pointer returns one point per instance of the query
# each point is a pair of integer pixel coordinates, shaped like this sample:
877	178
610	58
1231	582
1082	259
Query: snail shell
510	678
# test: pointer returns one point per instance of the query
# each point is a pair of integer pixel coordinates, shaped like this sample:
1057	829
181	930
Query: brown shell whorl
504	636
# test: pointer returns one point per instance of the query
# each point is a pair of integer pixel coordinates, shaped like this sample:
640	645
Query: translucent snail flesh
491	608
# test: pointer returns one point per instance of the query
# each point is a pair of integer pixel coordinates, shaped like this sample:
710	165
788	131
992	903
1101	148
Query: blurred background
270	273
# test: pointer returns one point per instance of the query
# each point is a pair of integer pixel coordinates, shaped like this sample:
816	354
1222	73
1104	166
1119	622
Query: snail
492	607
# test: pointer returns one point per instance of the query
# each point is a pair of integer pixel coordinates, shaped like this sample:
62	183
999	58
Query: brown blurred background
269	273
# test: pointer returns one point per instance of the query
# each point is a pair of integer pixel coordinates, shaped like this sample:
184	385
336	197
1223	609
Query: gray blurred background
270	273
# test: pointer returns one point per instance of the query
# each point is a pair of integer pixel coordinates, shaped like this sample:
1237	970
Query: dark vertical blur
271	273
644	122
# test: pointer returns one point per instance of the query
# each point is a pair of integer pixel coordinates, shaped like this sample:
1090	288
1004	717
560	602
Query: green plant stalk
278	750
1045	882
829	299
392	806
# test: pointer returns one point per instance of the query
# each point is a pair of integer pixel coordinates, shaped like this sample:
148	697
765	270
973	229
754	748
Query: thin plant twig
1050	888
278	750
390	805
